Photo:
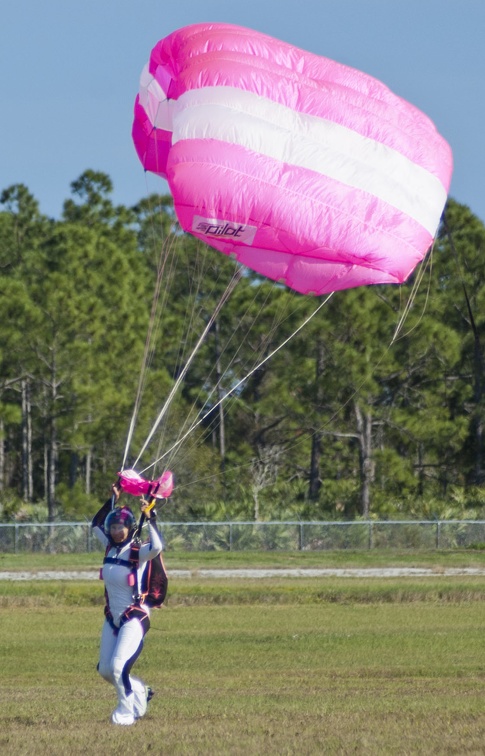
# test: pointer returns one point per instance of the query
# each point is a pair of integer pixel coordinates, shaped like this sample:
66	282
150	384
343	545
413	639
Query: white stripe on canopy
232	115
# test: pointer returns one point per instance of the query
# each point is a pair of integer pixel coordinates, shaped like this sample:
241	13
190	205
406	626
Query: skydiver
126	620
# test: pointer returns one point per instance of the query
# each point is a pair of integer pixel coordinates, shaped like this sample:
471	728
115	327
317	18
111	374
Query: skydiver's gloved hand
148	509
116	492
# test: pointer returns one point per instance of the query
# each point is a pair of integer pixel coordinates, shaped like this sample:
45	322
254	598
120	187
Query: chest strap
116	560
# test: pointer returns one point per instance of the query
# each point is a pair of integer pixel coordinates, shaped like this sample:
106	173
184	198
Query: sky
69	74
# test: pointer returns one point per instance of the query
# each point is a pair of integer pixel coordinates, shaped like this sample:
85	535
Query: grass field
194	560
282	666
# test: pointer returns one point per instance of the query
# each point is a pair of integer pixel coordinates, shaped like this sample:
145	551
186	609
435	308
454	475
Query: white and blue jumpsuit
126	622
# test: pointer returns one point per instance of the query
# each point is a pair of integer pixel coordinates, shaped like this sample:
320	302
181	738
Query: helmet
122	515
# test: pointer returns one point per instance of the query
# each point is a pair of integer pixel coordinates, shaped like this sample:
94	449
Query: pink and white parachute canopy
305	170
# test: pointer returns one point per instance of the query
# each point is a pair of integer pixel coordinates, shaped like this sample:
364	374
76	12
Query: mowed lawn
294	666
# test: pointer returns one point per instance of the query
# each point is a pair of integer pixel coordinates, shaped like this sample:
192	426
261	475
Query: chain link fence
77	537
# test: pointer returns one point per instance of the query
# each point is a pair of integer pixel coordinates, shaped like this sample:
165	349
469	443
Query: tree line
374	408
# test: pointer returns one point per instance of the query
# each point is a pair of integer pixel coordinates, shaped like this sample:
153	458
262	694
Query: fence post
371	536
50	538
300	544
230	536
438	533
16	539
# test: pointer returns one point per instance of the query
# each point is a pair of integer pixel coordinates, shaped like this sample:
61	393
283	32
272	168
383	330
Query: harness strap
135	552
135	561
116	560
133	612
132	563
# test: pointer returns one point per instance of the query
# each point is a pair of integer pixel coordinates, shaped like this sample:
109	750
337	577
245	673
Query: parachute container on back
307	171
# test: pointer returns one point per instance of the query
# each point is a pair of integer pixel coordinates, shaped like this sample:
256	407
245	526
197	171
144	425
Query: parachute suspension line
165	273
166	270
189	328
218	383
203	261
214	476
283	312
412	297
225	296
148	350
402	319
239	383
386	349
278	319
395	337
194	295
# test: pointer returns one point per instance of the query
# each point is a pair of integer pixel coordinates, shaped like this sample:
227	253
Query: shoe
148	697
122	719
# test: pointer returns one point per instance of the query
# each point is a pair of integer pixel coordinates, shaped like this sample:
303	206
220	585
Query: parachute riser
152	500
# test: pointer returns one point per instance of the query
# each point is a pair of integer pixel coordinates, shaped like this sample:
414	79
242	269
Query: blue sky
69	74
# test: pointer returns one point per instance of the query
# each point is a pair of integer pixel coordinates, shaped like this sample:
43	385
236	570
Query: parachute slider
132	482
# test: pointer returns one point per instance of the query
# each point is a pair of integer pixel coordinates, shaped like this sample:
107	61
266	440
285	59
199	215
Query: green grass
282	666
374	679
270	592
194	560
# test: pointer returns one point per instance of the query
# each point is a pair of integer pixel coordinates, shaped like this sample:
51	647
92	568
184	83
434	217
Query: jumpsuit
122	635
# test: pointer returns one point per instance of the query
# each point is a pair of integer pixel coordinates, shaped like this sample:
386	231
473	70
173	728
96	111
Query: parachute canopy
305	170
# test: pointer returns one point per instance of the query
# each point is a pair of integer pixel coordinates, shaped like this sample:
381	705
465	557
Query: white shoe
122	719
148	696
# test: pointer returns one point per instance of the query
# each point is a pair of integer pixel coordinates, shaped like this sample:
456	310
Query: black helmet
122	515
